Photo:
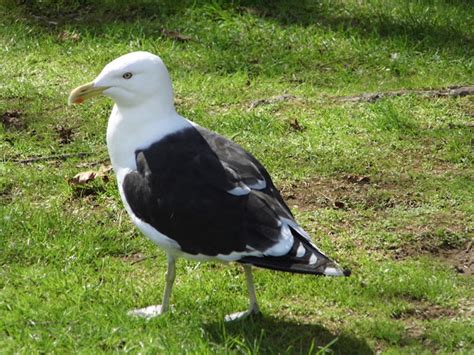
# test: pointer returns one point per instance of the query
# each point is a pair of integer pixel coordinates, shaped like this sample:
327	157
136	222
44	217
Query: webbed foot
147	312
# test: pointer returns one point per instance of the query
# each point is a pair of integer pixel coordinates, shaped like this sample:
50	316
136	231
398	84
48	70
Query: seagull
193	192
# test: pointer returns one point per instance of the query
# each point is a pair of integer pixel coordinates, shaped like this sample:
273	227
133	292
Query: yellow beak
84	92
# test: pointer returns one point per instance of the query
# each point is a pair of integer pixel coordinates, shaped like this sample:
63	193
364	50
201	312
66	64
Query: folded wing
215	199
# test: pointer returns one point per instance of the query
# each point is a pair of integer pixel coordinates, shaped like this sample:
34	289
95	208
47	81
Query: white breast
129	131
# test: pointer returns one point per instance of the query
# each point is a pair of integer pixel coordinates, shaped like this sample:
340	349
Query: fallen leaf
271	100
358	179
69	36
176	35
85	177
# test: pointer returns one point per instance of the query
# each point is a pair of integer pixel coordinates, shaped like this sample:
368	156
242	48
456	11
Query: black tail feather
303	258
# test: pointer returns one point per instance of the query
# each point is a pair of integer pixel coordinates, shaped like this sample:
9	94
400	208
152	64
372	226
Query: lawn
385	186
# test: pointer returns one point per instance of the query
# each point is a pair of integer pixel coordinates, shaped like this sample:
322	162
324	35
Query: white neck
136	127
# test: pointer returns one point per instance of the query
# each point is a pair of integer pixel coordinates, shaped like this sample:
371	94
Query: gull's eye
127	75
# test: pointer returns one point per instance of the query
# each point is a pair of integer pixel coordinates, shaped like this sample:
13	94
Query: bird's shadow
266	334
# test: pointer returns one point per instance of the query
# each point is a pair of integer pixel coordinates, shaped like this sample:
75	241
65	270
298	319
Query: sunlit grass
68	273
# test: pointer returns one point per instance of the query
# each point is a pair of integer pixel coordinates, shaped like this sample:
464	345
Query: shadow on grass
270	335
421	27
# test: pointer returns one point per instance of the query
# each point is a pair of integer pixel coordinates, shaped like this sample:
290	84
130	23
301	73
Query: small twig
271	100
143	259
452	91
469	247
51	157
326	197
92	163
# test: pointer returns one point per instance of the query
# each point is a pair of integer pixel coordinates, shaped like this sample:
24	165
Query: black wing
212	197
243	166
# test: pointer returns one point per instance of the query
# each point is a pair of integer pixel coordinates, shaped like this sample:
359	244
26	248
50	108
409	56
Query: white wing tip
301	251
332	271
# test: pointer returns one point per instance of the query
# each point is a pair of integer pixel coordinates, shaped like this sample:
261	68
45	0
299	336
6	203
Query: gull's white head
130	80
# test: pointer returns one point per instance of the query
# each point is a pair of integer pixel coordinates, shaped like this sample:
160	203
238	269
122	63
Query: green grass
68	276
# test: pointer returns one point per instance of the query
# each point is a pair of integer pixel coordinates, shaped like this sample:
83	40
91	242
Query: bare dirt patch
441	234
13	119
348	192
65	134
7	193
461	259
423	311
451	247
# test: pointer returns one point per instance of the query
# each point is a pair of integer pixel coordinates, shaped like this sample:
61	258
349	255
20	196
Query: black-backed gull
193	192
